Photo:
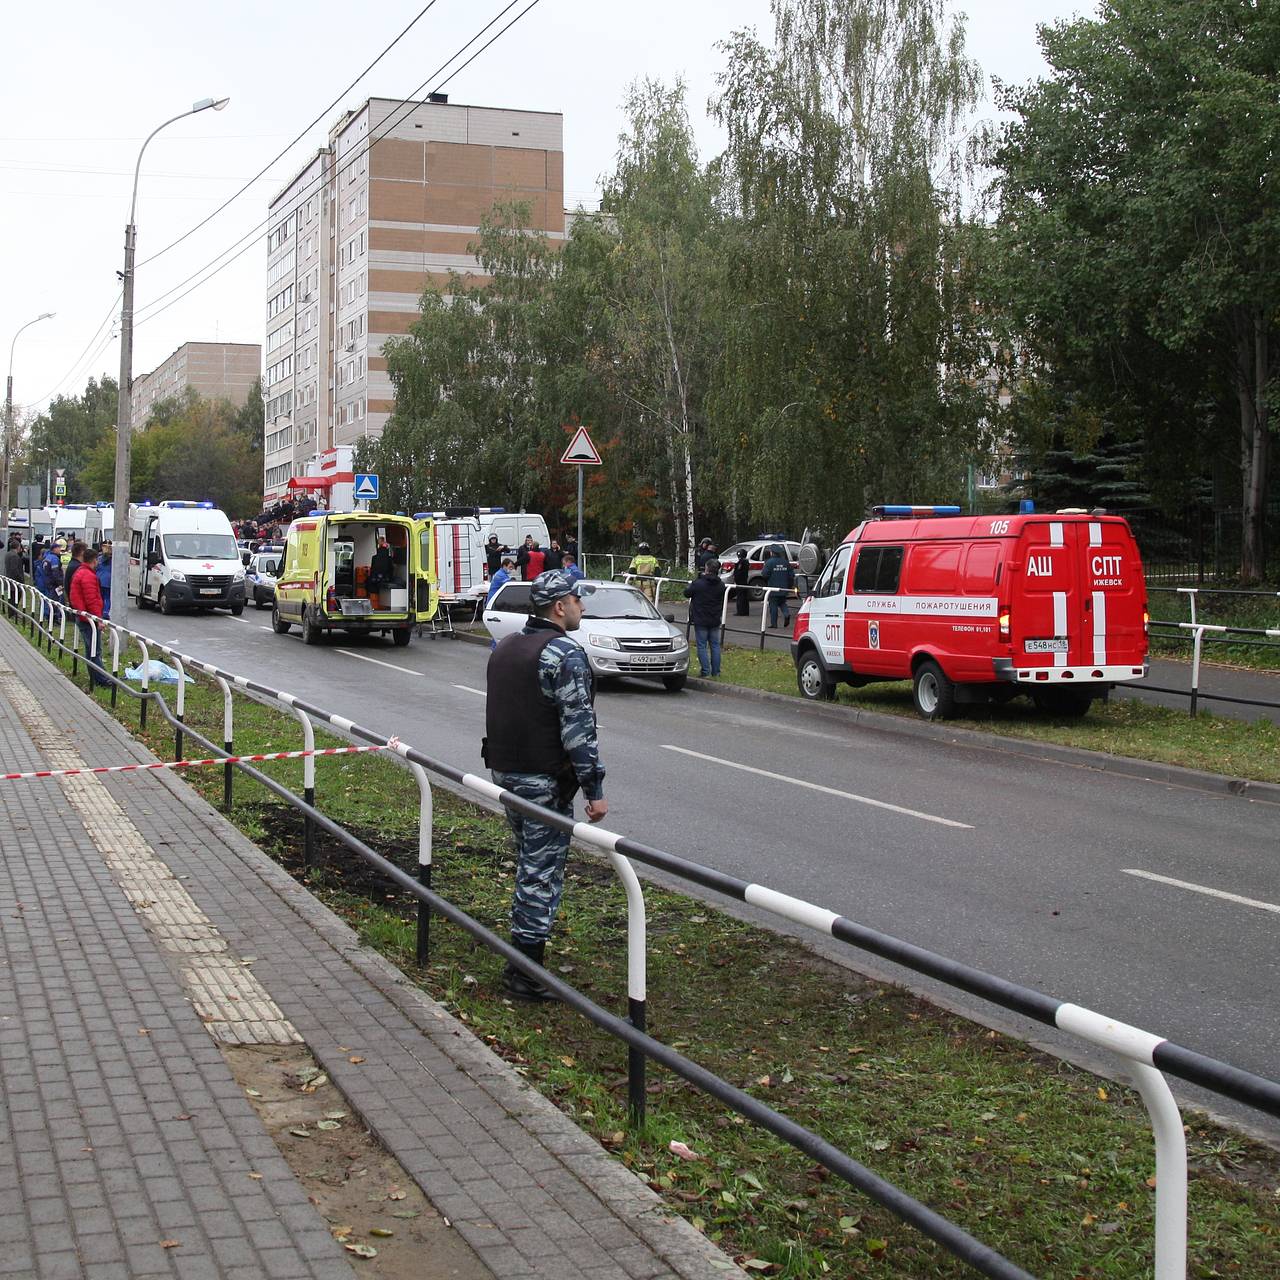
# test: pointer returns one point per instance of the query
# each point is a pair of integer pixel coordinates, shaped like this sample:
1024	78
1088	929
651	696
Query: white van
182	555
78	522
461	534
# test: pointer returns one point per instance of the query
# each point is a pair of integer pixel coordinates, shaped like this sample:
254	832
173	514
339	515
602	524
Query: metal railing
1204	632
753	592
1148	1056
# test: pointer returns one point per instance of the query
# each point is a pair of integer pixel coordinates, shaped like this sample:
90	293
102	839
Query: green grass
1122	727
1048	1164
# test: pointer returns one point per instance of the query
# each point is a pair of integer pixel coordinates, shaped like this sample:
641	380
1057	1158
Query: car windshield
266	564
200	546
618	602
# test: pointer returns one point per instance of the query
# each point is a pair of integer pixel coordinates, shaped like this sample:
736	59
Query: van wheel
673	684
1071	703
278	624
143	602
757	588
813	680
401	636
165	607
935	695
310	632
259	602
237	610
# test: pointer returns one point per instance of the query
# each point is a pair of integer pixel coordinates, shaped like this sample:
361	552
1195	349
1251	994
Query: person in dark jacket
706	551
48	571
779	573
15	566
706	601
103	570
741	592
541	743
493	553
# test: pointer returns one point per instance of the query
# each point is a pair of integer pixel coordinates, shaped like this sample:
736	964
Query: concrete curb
971	739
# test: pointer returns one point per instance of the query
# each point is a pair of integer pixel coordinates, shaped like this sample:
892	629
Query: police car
755	559
621	632
260	575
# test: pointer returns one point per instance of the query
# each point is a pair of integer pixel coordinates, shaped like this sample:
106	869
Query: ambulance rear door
426	594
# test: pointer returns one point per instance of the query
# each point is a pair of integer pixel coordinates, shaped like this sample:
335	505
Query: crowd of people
528	560
73	574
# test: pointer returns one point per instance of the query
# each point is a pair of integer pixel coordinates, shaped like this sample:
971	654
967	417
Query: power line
204	221
80	360
406	107
483	47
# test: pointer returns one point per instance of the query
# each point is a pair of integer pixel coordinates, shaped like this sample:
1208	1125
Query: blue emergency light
906	510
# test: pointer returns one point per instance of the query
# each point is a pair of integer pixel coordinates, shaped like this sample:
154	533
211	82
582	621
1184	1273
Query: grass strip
1049	1164
1122	727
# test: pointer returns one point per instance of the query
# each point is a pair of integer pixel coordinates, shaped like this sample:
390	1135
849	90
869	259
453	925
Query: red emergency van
976	608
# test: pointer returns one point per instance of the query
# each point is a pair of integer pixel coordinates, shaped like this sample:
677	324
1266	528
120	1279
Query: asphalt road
1039	872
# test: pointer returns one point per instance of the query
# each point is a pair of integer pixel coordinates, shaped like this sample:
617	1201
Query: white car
621	632
260	577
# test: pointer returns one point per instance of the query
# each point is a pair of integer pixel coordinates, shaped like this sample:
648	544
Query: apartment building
392	204
214	370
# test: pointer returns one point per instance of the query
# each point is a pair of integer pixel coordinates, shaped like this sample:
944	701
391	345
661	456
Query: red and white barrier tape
196	764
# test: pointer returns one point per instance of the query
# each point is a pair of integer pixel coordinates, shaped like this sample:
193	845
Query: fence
1202	544
1148	1056
765	594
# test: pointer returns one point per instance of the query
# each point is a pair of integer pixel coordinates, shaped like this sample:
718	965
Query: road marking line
1203	888
814	786
378	661
466	688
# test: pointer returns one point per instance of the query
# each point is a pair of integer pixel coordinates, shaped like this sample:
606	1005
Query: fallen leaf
405	1213
679	1149
880	1144
356	1059
335	1115
257	1177
327	1125
171	1244
381	1232
361	1250
568	1062
253	1093
300	1133
395	1194
1102	1093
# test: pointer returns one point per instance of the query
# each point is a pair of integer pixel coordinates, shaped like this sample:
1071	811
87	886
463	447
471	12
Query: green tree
67	434
856	346
1141	225
250	418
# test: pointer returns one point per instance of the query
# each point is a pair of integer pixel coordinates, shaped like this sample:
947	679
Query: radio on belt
975	609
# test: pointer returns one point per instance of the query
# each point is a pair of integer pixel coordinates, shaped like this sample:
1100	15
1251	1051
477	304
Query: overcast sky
85	82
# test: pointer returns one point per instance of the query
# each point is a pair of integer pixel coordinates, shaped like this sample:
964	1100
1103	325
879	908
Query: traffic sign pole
580	453
580	555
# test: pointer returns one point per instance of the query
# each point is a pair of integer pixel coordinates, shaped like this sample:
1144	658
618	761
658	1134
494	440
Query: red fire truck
976	608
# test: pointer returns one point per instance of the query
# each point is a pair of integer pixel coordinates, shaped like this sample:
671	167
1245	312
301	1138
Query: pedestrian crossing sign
366	488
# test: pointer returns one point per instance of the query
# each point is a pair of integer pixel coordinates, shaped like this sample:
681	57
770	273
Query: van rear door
1115	592
422	568
1047	619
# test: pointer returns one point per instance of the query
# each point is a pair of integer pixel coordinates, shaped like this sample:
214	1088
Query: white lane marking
1203	888
379	662
814	786
264	628
466	688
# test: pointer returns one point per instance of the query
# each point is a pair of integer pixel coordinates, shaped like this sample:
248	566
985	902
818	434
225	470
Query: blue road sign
366	487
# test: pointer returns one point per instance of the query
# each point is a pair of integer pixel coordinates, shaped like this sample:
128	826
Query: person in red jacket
86	598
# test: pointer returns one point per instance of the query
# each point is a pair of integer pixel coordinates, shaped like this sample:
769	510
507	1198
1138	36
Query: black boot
518	985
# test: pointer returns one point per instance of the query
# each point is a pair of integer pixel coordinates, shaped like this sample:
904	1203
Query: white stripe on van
1099	628
1095	534
1059	623
1055	533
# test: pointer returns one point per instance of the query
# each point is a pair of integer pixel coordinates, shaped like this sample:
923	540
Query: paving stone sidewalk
125	903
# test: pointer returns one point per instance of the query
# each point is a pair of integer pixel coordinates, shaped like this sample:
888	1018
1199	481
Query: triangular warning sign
366	488
581	452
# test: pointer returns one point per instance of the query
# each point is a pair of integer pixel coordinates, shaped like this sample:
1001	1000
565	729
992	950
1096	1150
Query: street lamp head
205	103
48	315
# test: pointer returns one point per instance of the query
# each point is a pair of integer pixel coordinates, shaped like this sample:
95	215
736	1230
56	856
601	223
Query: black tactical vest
522	728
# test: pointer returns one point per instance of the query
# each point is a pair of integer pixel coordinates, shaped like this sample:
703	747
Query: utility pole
124	407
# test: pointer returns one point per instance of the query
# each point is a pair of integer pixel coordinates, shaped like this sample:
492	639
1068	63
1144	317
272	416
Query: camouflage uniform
564	678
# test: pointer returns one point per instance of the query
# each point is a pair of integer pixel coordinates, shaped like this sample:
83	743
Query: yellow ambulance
356	571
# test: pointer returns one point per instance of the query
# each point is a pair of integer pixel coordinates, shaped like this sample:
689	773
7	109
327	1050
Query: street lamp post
8	421
124	411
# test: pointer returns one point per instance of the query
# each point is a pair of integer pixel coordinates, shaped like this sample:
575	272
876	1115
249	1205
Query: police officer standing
540	743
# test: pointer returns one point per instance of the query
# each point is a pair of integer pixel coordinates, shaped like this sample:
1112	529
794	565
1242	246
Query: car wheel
278	624
310	632
165	607
401	636
813	680
1071	703
673	684
935	695
757	588
237	610
258	601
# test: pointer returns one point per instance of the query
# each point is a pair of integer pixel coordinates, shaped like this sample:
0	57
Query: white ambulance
182	555
461	534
